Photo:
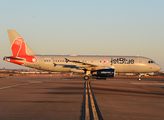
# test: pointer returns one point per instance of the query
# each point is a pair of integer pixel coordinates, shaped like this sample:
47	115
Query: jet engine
104	73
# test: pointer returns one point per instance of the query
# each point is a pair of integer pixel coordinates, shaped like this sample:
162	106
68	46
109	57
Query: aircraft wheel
86	77
139	79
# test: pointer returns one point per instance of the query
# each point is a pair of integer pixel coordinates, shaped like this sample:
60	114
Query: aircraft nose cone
158	68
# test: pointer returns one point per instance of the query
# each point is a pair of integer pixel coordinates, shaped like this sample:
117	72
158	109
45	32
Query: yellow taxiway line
87	116
93	104
89	101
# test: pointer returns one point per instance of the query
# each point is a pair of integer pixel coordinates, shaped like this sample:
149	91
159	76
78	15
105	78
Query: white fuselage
121	64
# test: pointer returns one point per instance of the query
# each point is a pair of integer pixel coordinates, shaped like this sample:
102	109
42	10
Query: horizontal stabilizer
6	58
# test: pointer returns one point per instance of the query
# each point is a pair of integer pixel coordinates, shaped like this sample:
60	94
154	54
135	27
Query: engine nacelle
104	73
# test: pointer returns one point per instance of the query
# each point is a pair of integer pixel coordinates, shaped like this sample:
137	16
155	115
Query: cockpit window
151	61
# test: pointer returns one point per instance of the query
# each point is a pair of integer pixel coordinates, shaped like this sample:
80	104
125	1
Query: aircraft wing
86	65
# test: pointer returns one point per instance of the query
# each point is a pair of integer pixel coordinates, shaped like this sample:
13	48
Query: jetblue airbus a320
100	66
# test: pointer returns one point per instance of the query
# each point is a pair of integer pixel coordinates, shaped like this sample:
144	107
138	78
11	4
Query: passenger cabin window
58	60
47	60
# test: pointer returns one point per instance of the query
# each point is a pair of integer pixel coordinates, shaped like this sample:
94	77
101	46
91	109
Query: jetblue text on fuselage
121	61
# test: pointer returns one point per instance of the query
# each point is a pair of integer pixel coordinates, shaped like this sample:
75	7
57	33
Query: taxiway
49	97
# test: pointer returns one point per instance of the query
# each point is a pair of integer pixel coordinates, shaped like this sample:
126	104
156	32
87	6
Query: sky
86	27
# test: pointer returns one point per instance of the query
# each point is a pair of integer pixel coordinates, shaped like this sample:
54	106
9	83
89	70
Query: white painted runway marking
20	84
149	83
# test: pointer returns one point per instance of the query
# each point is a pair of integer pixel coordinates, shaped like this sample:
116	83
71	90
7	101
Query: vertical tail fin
18	46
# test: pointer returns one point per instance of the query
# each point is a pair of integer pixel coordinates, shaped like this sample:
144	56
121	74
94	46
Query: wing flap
85	65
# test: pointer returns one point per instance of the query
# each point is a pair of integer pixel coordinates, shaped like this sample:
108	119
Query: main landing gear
86	77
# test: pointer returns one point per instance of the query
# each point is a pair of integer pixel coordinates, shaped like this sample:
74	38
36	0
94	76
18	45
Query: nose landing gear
139	77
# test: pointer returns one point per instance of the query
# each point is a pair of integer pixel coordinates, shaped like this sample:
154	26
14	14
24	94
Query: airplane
100	66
